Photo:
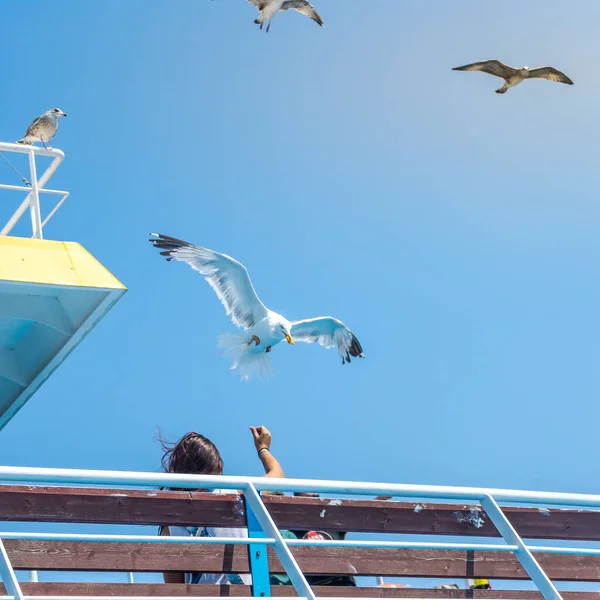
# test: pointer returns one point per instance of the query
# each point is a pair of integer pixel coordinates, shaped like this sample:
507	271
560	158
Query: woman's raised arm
262	441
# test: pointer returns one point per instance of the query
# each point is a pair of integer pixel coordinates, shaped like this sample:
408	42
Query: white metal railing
263	532
33	187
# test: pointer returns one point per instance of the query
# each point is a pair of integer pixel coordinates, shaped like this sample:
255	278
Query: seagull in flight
512	76
263	328
269	8
43	128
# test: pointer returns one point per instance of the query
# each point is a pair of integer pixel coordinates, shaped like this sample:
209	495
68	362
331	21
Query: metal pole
8	575
258	557
41	183
510	535
284	554
34	205
47	476
51	214
33	576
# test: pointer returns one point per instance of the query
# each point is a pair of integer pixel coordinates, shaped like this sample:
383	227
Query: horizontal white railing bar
25	149
27	188
443	546
562	550
404	545
100	537
116	538
17	188
171	480
93	537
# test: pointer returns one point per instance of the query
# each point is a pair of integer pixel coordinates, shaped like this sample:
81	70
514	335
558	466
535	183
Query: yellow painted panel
53	263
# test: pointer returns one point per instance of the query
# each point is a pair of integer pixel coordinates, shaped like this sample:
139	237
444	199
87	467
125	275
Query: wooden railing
142	507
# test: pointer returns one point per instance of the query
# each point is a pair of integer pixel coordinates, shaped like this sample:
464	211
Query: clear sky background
354	174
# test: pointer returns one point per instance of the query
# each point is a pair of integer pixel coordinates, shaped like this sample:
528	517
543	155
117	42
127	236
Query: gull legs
261	23
254	339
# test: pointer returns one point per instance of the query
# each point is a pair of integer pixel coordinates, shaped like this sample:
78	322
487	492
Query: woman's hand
262	441
262	437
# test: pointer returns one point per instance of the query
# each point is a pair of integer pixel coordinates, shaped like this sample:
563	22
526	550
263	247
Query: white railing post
9	579
34	206
33	189
523	554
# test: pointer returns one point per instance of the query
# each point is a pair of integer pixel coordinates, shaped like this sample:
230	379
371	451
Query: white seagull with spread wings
269	8
512	76
264	328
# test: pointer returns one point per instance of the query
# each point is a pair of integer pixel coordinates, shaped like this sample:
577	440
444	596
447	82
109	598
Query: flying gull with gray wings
263	328
512	76
269	8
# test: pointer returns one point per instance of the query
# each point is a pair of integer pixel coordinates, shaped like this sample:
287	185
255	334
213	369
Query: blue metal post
9	579
284	554
526	558
259	561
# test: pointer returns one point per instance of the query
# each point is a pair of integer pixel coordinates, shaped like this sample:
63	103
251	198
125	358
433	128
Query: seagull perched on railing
43	128
263	328
512	76
269	8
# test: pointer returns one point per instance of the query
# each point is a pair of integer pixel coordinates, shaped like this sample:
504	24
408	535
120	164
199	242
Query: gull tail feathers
246	358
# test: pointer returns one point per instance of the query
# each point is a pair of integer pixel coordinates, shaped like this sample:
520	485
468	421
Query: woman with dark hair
196	454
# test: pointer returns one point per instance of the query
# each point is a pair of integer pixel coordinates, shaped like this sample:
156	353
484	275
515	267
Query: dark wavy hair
194	454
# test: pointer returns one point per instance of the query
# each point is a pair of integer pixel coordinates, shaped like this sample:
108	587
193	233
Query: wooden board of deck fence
153	507
157	557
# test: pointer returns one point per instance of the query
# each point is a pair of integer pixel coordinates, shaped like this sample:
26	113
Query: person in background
196	454
333	580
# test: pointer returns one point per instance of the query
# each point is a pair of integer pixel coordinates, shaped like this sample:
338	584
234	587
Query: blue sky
354	174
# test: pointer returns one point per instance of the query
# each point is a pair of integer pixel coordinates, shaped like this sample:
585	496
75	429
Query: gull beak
289	339
63	114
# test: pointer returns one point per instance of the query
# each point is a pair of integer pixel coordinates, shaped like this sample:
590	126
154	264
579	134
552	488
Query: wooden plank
98	556
118	506
153	589
147	507
153	557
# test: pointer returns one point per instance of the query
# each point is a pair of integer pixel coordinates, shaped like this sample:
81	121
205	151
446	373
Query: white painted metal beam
37	186
9	579
523	554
